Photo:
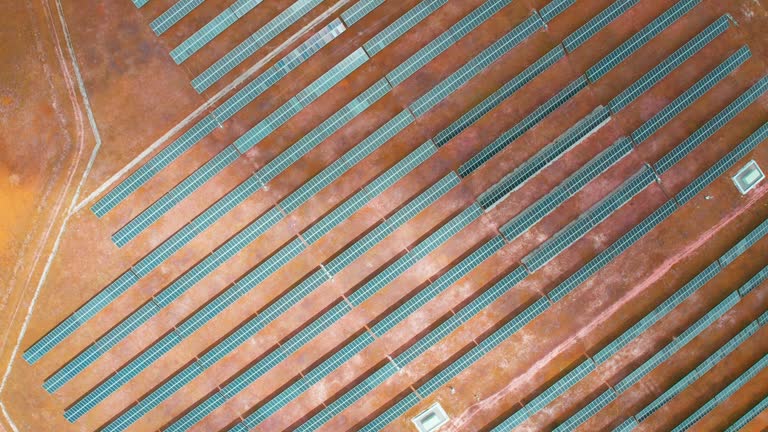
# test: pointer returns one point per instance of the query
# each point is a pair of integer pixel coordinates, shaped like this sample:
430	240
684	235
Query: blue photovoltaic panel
536	211
600	21
306	96
415	254
686	336
173	15
555	8
358	10
658	313
249	46
225	111
713	125
697	372
613	251
723	394
173	197
588	411
640	38
523	126
499	96
589	219
401	25
80	316
543	158
691	95
473	67
669	64
445	40
723	164
739	248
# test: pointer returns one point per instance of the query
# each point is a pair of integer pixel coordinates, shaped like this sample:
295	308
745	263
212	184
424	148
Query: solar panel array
597	23
640	38
589	219
251	44
445	40
314	327
476	65
350	254
691	95
500	95
526	124
713	125
562	192
543	158
223	112
669	64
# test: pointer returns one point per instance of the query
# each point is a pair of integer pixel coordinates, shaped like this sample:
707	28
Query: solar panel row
543	158
669	64
562	192
640	38
246	48
223	112
289	347
523	126
315	280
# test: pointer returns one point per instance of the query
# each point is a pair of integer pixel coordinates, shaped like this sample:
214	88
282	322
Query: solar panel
250	45
173	15
266	126
225	111
697	372
358	10
82	314
614	250
754	282
415	206
498	96
174	290
201	129
438	286
392	413
523	126
325	129
750	239
691	95
599	22
640	38
721	166
543	158
658	313
354	394
512	421
559	387
401	25
588	411
204	35
680	341
682	54
536	211
483	347
445	40
473	67
411	257
723	394
748	416
171	198
589	219
712	126
372	190
555	8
